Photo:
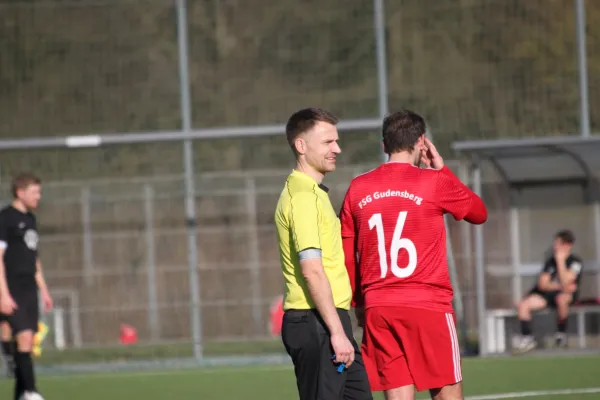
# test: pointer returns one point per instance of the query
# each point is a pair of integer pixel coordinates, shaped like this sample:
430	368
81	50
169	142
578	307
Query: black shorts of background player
21	278
557	288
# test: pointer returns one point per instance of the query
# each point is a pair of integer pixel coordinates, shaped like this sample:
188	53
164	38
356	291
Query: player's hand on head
7	304
343	349
561	253
424	159
434	159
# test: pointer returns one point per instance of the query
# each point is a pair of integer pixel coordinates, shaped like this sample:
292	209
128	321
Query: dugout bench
495	319
496	340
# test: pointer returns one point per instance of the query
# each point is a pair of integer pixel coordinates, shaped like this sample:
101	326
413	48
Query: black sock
25	371
14	349
7	350
19	387
562	325
526	328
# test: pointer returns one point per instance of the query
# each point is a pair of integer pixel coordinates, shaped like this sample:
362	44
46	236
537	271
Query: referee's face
30	196
322	147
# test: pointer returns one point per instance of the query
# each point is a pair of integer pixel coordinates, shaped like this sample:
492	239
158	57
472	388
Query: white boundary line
535	393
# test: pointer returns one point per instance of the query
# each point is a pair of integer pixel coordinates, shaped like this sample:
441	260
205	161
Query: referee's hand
7	305
343	349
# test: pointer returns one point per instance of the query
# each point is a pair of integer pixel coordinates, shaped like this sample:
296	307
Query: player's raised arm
460	201
451	194
545	278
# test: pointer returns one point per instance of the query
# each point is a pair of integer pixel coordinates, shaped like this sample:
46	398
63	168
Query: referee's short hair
304	120
22	181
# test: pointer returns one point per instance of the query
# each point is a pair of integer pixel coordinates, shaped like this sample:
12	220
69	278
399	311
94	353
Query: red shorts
409	346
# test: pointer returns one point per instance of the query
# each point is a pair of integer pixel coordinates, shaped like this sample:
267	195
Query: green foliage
475	69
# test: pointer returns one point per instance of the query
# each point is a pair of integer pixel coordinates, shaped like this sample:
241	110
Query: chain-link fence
124	212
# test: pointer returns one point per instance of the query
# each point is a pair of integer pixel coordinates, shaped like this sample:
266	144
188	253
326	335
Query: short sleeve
305	217
576	266
347	218
3	231
452	195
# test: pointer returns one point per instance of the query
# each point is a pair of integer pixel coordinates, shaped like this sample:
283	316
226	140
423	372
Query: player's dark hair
566	236
22	181
304	120
401	130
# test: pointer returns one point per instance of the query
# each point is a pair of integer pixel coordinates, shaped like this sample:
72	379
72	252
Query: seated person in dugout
557	287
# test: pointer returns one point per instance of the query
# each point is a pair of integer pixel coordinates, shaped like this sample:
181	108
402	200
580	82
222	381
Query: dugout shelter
533	187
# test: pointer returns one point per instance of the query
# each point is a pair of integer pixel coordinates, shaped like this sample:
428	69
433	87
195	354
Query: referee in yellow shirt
316	323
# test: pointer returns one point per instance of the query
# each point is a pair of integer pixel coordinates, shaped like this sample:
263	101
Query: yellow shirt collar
302	175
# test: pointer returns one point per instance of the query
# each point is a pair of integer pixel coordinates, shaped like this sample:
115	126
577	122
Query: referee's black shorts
307	341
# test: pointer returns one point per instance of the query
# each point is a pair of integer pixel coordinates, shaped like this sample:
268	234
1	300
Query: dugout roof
539	161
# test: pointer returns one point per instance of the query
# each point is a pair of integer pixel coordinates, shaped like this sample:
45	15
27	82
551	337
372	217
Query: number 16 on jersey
398	243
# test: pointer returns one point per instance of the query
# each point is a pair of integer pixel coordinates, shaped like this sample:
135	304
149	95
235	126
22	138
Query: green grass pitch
482	377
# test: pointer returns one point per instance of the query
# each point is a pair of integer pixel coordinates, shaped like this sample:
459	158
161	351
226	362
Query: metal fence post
515	251
380	44
86	221
458	293
480	268
190	191
153	322
466	235
254	255
580	24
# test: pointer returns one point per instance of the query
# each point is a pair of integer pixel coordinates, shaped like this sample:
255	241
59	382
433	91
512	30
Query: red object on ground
128	334
276	316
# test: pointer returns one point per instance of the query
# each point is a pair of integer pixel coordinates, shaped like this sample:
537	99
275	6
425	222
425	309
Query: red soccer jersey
392	220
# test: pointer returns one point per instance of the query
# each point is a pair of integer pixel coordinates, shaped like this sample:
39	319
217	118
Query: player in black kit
557	288
21	278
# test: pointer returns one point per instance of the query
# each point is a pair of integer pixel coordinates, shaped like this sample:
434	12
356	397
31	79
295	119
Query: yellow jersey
305	219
